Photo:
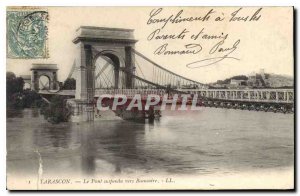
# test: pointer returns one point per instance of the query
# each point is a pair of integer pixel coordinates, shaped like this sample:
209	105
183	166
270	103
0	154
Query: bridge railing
130	92
247	95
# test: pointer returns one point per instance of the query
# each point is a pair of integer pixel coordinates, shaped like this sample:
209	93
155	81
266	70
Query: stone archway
93	42
108	67
44	82
48	70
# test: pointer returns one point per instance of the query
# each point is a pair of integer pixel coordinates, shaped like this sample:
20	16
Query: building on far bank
234	83
258	79
255	80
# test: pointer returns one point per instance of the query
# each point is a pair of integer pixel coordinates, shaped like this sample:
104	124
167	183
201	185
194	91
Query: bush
15	101
31	99
69	84
56	111
26	99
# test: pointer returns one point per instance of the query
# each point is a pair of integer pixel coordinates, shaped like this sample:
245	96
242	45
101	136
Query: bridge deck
245	95
55	92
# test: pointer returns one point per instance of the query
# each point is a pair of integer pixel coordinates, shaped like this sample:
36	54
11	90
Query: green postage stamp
27	32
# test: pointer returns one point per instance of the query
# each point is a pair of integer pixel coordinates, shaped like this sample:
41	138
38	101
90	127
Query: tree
17	97
69	84
31	99
14	89
10	75
13	84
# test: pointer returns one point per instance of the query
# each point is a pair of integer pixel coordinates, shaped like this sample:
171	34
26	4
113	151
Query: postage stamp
27	32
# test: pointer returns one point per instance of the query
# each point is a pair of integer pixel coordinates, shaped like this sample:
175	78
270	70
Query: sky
263	44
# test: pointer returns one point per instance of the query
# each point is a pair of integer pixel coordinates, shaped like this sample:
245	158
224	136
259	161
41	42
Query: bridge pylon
116	45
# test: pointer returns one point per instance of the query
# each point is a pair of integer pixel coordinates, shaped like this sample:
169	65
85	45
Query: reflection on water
208	141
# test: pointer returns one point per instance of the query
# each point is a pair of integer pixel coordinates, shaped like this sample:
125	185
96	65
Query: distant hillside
275	80
271	80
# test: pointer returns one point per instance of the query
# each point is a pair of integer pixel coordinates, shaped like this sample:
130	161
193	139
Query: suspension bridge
108	63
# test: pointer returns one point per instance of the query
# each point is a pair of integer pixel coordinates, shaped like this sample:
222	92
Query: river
206	142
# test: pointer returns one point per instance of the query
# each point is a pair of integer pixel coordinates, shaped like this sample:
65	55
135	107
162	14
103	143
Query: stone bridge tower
48	70
92	42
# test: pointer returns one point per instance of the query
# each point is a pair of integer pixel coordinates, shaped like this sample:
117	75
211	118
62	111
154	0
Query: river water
209	141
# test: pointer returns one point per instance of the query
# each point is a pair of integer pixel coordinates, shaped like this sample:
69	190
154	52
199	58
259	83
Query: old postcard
150	98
